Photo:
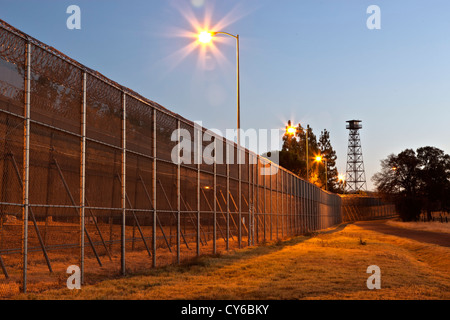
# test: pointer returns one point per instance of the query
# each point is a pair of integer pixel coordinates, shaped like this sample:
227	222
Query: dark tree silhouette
328	153
416	180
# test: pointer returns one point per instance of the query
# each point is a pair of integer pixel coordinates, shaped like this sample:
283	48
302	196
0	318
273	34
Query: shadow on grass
220	260
337	229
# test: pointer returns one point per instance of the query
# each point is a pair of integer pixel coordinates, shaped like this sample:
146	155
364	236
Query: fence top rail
7	27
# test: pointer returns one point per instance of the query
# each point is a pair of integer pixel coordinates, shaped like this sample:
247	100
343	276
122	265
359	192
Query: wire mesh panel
117	172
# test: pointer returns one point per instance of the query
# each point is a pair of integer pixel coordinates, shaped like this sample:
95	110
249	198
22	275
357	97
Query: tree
293	155
415	180
434	176
328	153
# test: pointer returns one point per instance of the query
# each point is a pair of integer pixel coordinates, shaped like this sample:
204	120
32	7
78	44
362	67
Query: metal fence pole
250	200
26	166
302	194
256	220
239	155
199	160
83	177
270	201
215	198
276	200
282	202
296	205
291	206
308	206
178	195
155	221
265	204
124	183
228	195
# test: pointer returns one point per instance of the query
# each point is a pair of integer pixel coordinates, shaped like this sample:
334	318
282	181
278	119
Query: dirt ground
329	265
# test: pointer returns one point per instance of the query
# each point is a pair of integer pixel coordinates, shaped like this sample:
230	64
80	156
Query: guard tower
356	176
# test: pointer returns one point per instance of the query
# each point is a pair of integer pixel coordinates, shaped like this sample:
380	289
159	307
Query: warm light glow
291	130
318	158
209	55
205	37
341	177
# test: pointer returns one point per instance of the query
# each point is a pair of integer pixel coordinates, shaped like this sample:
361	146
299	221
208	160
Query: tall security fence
359	208
88	179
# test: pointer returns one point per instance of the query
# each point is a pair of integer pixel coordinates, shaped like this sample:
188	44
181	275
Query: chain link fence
361	208
88	180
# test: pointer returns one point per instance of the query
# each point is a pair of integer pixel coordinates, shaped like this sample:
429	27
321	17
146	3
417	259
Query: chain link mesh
196	205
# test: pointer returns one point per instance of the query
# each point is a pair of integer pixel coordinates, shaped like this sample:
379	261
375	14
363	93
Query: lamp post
342	181
206	37
321	159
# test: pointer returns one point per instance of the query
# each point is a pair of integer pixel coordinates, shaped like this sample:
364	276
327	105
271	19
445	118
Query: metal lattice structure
355	173
87	179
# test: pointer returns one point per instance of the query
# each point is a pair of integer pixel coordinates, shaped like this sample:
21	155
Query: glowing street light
342	181
291	130
206	37
324	160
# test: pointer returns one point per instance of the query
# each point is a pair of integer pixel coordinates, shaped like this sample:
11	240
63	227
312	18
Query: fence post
228	194
256	220
178	194
215	197
276	203
26	166
250	201
199	161
239	155
270	202
265	204
154	175
124	183
83	176
282	203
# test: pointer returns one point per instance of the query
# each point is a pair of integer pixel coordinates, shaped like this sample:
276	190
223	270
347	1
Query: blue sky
310	61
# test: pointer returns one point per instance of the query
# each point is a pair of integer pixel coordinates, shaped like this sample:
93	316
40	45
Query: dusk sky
314	62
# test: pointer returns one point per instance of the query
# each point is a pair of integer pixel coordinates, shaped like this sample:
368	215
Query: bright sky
310	61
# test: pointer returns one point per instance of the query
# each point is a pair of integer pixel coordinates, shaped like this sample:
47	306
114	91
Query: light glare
291	130
205	37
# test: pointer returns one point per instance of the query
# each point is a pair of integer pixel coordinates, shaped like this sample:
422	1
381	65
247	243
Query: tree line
417	180
297	142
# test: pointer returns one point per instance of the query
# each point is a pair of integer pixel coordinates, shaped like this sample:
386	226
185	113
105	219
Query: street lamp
321	159
206	37
342	181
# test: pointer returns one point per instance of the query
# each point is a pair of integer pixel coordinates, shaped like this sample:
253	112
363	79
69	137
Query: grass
433	226
329	265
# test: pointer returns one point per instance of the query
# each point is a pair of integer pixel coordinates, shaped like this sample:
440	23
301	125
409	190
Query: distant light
205	37
341	177
291	130
318	158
